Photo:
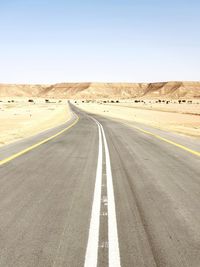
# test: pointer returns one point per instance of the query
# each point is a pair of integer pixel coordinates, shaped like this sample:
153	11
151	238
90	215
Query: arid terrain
21	118
167	90
183	118
173	106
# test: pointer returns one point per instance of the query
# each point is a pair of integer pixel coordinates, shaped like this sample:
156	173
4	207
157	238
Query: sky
49	41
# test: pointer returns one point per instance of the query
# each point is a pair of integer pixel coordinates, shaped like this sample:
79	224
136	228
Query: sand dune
172	90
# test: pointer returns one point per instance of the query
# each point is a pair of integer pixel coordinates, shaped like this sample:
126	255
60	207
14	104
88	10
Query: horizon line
86	82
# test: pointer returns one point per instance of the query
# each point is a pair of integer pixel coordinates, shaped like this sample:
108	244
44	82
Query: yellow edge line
170	142
14	156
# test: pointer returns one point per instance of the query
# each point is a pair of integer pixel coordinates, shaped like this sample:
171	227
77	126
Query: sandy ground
22	119
182	118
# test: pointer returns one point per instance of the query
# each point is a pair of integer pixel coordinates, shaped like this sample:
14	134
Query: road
101	193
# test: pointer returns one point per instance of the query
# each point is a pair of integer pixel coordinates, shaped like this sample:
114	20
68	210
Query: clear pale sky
47	41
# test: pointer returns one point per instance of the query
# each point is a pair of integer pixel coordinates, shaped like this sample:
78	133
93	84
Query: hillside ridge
174	90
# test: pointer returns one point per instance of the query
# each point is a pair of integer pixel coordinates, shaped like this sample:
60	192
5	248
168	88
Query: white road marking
113	243
91	256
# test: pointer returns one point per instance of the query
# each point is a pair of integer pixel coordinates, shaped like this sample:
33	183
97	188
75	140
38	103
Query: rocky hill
171	90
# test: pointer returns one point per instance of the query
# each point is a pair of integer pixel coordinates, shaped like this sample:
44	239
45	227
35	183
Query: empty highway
98	192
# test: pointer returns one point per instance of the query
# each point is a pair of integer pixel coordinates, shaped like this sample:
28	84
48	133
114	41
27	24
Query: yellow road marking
14	156
170	142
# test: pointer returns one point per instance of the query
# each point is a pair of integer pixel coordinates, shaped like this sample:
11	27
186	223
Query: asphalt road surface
101	193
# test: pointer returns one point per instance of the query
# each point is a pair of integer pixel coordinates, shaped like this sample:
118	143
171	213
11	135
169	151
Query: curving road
100	193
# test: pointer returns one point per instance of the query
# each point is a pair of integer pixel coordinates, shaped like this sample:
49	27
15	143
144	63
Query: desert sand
181	118
20	119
